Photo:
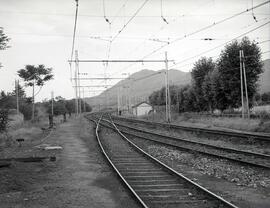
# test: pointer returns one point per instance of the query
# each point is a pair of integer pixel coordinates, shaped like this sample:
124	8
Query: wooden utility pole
33	106
167	90
84	107
245	81
168	114
118	100
52	102
241	80
17	95
76	83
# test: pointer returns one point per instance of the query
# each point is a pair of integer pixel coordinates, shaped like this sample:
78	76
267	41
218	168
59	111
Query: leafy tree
8	101
88	108
3	120
208	91
201	68
35	76
187	99
59	108
21	92
265	97
3	41
62	106
229	73
70	106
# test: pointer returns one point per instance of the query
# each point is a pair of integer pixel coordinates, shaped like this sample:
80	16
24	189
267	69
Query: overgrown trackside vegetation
216	85
3	120
60	105
35	76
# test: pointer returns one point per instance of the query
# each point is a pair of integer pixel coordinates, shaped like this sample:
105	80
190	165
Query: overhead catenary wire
207	27
10	12
181	66
253	12
264	41
73	37
220	45
154	35
198	31
212	39
104	13
120	31
132	17
161	12
122	7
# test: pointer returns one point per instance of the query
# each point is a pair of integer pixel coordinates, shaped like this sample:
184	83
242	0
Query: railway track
248	135
153	183
240	156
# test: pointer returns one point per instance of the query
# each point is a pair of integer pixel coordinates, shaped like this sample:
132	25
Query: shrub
3	120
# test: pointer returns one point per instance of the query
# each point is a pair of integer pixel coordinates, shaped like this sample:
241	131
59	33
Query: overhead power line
119	61
218	56
73	38
116	15
104	13
10	12
243	34
197	31
132	17
145	77
161	11
207	27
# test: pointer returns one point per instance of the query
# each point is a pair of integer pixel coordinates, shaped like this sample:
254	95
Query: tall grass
261	124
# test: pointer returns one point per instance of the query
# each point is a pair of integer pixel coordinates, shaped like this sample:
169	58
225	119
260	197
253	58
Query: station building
142	108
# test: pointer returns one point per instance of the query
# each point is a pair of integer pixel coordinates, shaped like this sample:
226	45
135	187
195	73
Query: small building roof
134	106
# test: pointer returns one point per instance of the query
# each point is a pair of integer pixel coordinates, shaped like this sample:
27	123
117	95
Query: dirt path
79	178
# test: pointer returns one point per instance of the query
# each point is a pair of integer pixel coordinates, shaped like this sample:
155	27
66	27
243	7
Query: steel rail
114	167
172	171
226	149
248	135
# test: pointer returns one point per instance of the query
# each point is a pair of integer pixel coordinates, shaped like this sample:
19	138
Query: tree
21	91
265	97
3	120
188	99
3	41
33	75
70	106
229	73
208	90
7	100
201	68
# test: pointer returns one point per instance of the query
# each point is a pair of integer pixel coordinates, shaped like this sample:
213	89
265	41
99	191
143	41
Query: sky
41	33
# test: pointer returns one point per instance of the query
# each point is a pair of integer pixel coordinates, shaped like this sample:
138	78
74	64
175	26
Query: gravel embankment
241	175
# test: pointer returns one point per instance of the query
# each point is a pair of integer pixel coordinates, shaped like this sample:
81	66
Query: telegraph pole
241	80
168	113
84	109
168	100
17	95
76	83
33	106
245	81
118	101
52	101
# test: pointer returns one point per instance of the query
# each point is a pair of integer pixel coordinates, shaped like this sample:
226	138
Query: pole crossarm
118	61
94	86
98	78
